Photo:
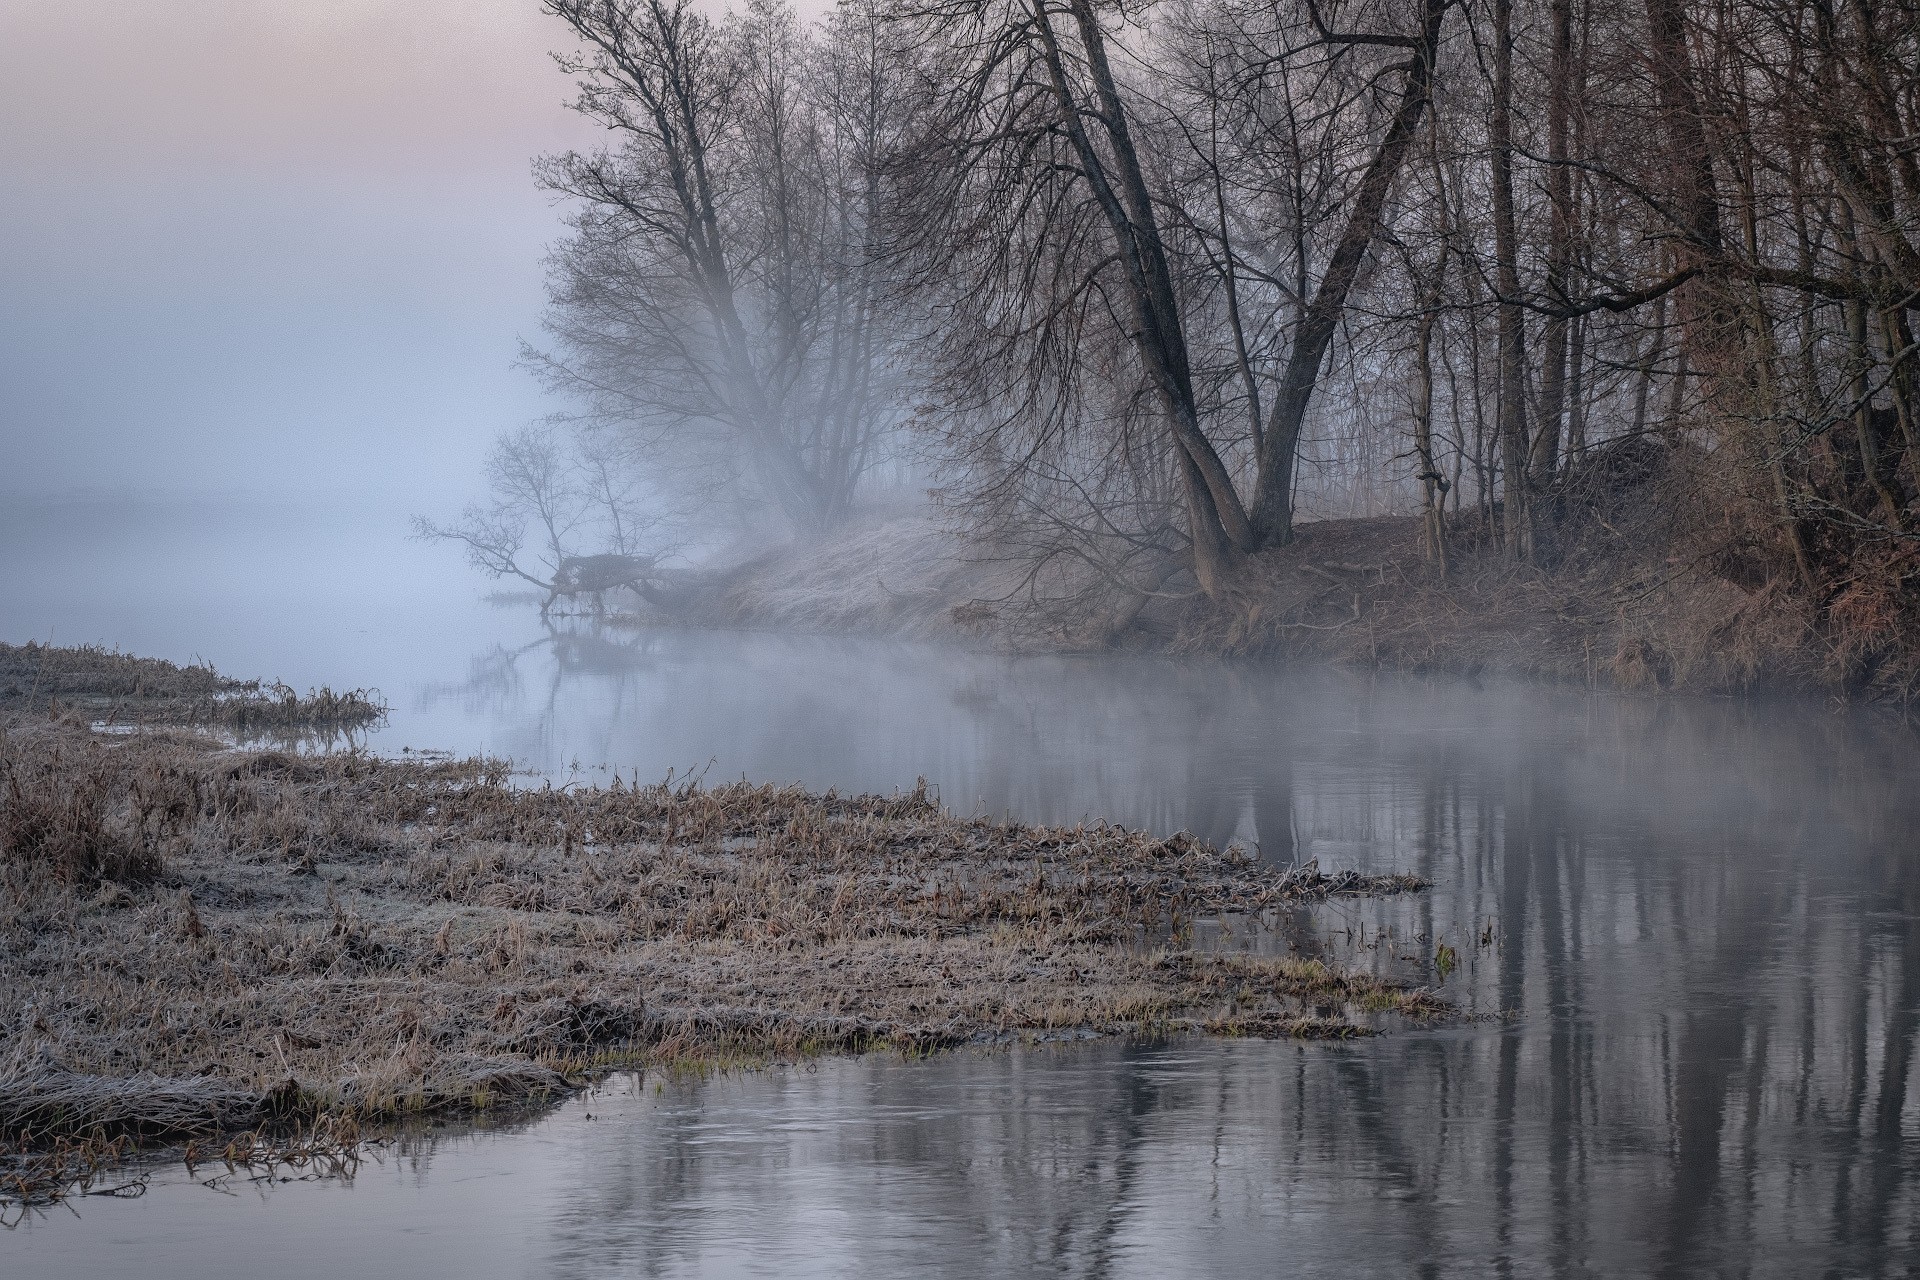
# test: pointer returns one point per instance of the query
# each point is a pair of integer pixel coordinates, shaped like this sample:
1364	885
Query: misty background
268	251
264	268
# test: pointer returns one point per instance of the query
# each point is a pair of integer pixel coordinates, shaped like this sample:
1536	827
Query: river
1687	932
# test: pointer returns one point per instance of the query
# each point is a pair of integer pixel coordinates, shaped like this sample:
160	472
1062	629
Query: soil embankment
1625	591
200	941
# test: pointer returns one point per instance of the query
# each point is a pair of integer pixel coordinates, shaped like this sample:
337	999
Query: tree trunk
1898	336
1703	315
1648	360
1561	88
1216	515
1515	441
1576	391
1433	484
1866	431
1272	515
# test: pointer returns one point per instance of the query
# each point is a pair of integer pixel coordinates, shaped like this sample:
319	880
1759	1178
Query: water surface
1697	919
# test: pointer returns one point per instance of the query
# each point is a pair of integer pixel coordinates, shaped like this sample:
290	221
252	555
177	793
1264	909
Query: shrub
58	817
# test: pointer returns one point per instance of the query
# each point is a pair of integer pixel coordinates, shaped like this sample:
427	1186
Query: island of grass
201	942
112	689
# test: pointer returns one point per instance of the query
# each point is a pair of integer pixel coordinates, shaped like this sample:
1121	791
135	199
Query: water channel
1692	925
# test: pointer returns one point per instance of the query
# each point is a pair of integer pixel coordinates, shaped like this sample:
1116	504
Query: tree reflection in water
1699	919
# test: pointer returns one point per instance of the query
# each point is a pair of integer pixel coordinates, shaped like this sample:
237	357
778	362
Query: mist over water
1689	925
266	269
288	253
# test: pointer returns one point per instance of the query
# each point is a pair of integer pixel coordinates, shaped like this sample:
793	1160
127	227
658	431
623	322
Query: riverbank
202	944
1626	592
120	690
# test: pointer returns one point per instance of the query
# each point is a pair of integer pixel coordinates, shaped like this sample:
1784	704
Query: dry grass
1630	592
898	572
1638	586
261	938
55	819
115	688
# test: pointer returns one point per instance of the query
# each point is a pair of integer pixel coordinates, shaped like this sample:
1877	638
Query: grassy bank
113	689
1627	590
200	942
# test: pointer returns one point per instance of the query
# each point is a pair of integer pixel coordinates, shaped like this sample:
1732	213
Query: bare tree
1040	209
562	489
530	482
715	301
1160	281
1365	209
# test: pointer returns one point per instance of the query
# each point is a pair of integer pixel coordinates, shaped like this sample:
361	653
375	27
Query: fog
266	272
255	249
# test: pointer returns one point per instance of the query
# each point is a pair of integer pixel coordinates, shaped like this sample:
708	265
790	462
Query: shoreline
1358	594
210	944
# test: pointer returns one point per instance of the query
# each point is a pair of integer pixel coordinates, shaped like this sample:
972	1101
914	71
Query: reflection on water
1698	917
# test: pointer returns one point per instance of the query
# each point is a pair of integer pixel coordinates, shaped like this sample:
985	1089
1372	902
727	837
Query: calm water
1698	917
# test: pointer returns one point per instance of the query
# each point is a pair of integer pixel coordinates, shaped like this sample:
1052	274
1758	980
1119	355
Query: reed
111	688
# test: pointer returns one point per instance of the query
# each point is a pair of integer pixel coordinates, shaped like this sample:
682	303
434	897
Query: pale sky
270	243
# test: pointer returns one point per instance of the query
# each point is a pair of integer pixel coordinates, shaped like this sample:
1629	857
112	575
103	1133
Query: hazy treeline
721	302
1145	284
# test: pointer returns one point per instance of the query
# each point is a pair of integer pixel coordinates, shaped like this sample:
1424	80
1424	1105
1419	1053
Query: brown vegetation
1629	589
121	689
198	942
